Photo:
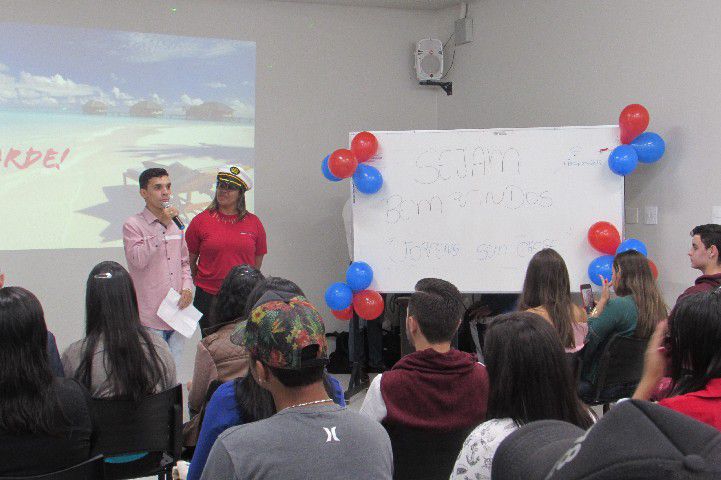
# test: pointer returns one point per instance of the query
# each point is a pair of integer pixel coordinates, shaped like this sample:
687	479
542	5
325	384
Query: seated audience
45	422
635	311
635	440
547	292
705	256
694	341
217	359
53	355
529	380
436	387
242	400
310	436
117	358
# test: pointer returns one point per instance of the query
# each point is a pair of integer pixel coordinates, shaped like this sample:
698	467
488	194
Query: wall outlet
651	217
631	215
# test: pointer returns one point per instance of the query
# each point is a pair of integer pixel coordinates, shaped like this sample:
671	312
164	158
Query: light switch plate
651	215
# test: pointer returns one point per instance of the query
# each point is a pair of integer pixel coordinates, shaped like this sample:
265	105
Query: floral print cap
277	332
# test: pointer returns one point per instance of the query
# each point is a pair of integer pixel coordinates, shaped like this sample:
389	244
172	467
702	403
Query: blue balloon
359	276
649	146
632	244
367	179
338	296
623	160
602	266
326	171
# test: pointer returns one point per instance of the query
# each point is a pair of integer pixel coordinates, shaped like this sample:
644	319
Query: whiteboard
473	206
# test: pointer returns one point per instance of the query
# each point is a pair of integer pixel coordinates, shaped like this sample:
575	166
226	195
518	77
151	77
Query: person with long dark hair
222	236
547	292
118	358
529	380
45	422
217	359
692	340
635	312
242	400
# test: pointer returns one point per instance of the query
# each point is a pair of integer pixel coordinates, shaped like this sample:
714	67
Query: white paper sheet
183	321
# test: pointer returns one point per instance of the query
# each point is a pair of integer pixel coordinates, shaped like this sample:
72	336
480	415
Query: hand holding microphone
172	213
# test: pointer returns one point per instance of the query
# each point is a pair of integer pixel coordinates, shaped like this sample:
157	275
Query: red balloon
345	314
633	122
654	269
342	163
604	237
368	304
364	145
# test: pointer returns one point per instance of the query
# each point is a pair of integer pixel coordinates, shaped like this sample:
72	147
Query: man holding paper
157	257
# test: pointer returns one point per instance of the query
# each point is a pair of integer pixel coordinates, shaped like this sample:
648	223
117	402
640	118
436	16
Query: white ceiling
404	4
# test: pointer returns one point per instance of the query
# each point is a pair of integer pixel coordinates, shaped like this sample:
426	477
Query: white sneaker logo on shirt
332	437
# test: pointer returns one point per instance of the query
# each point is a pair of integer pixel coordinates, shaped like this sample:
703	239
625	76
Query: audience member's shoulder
74	348
541	311
132	220
579	314
71	393
225	395
626	301
360	421
159	344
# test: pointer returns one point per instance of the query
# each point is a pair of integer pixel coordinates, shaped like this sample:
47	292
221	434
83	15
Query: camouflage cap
278	330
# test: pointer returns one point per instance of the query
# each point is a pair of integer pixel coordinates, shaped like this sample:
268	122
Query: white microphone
178	222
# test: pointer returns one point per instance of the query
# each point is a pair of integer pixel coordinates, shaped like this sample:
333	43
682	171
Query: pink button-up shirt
157	261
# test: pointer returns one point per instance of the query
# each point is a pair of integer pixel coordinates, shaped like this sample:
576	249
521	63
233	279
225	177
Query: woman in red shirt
694	340
222	236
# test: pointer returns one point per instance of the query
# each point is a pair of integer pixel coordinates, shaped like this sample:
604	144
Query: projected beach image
83	112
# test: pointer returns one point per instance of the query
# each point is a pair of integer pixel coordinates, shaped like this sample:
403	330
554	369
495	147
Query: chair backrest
152	425
88	470
621	362
424	454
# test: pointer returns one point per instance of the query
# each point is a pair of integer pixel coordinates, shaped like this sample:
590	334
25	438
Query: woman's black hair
530	378
132	364
695	342
547	285
28	401
277	284
229	305
255	402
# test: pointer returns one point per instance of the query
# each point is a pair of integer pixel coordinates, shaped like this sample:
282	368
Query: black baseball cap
636	440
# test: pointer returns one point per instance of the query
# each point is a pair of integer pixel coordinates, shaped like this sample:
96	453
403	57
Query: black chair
153	425
424	454
88	470
620	369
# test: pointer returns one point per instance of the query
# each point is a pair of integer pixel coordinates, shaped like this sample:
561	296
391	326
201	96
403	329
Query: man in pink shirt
157	256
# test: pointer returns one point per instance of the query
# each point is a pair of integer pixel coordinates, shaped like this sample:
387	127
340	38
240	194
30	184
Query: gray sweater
100	387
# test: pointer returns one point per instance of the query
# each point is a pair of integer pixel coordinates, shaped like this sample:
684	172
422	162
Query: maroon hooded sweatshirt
704	283
436	391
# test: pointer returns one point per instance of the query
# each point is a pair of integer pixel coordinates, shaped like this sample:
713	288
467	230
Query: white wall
322	71
565	62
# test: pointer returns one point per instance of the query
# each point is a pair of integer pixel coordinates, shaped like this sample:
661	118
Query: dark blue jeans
356	341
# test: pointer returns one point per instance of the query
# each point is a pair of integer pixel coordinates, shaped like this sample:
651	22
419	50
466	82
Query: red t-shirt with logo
222	242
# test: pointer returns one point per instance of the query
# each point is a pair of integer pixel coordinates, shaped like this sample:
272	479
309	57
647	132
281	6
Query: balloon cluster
604	237
343	298
344	163
638	145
